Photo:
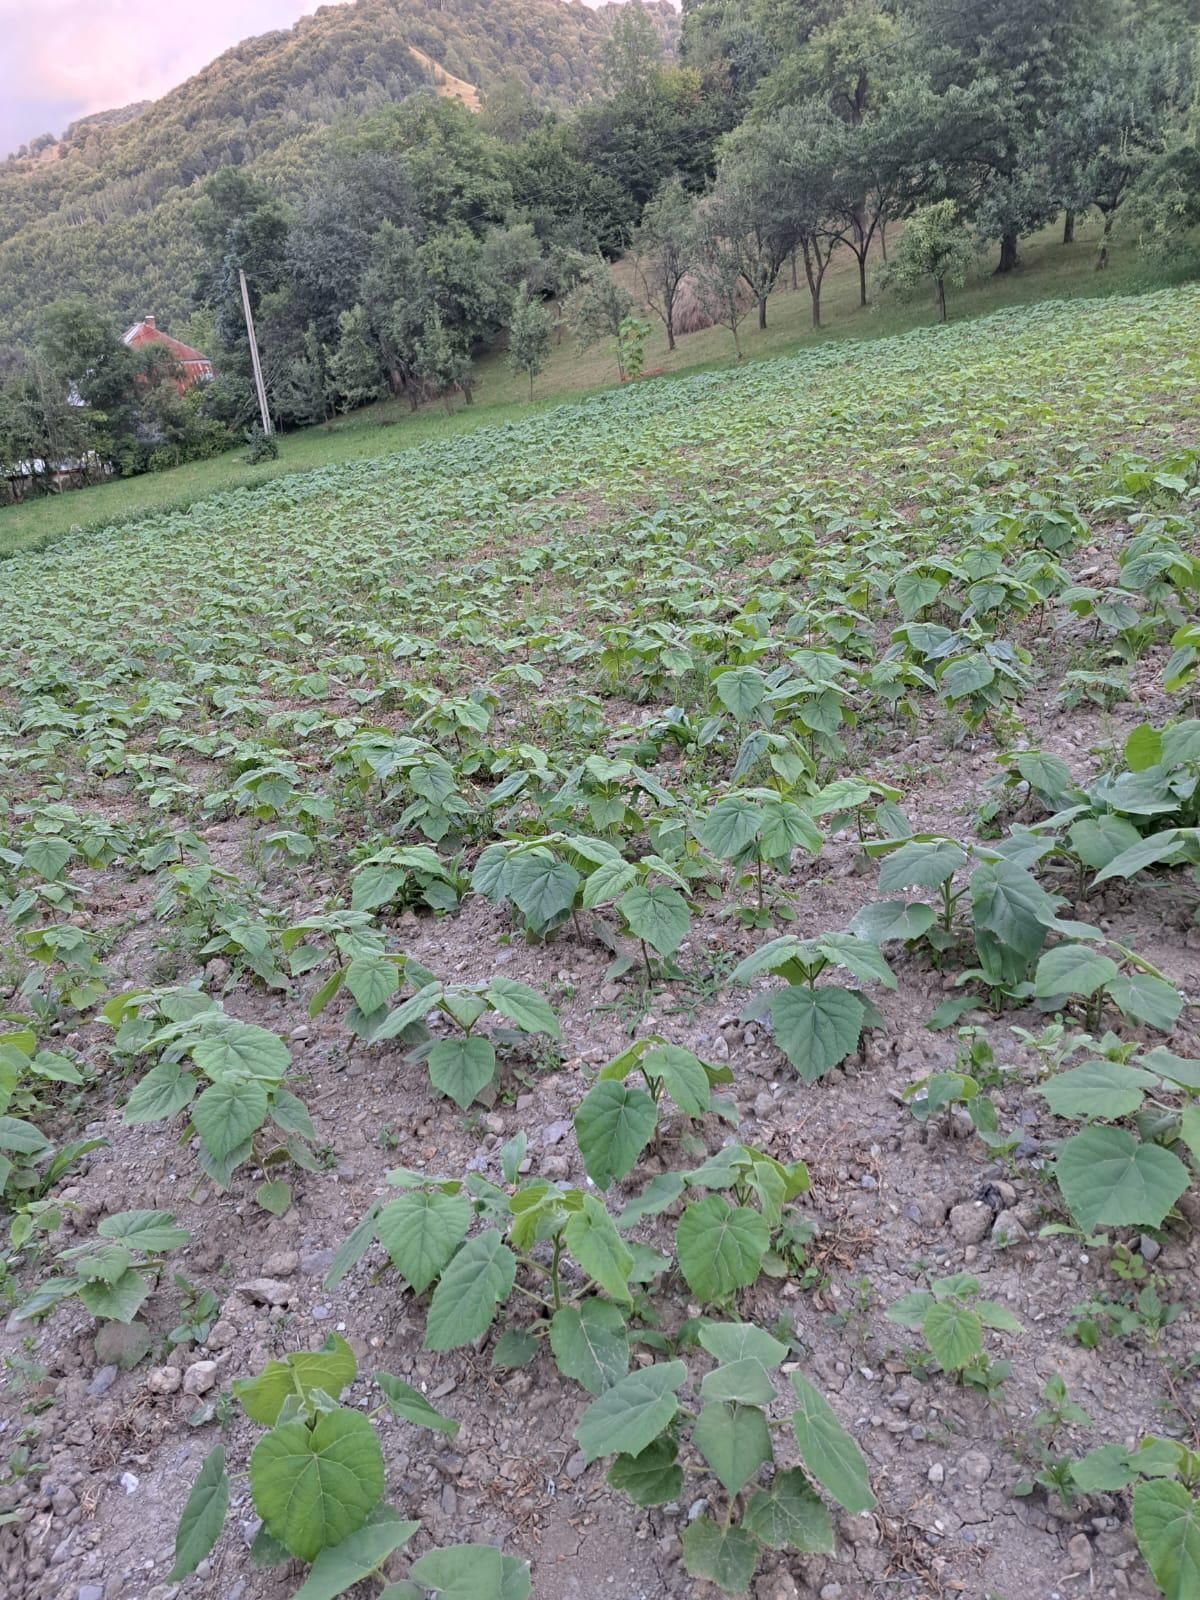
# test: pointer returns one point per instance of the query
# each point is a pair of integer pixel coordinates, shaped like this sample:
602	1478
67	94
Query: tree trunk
670	320
795	275
531	386
941	299
1009	259
762	310
733	328
883	238
1102	258
1069	227
816	306
862	280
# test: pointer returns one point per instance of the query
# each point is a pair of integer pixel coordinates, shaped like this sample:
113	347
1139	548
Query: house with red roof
193	367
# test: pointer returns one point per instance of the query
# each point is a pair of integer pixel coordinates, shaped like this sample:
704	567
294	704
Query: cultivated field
668	928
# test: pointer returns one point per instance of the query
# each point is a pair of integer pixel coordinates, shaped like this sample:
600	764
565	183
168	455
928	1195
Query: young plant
316	1480
816	1027
951	1317
114	1274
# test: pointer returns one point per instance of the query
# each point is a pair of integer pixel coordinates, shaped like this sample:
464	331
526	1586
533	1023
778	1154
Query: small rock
102	1382
281	1265
975	1468
216	972
936	1473
776	1586
200	1377
164	1380
130	1482
1079	1553
221	1335
267	1291
91	1591
577	1465
1150	1248
321	1313
317	1262
970	1222
553	1133
831	1591
1008	1229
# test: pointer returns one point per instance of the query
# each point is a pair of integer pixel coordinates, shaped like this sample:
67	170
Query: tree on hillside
632	54
354	365
596	308
664	248
306	390
936	246
1114	128
529	333
719	281
752	204
443	363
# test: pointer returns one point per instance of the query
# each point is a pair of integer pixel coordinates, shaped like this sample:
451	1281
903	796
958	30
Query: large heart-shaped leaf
229	1112
790	1515
315	1485
734	1440
480	1276
720	1247
657	915
421	1231
816	1028
613	1125
1107	1176
1166	1521
724	1554
460	1068
330	1369
652	1477
592	1238
591	1344
625	1418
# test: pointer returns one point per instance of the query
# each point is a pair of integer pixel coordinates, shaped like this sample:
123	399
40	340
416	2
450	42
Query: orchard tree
719	282
936	246
664	248
354	365
752	205
596	308
530	330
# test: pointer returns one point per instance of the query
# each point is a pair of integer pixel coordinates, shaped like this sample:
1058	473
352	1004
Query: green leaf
827	1450
410	1404
1156	847
746	1381
421	1231
163	1092
1147	999
720	1247
613	1125
343	1565
734	1440
1099	840
228	1113
590	1344
741	1341
152	1231
1102	1089
1074	969
120	1300
314	1486
243	1051
275	1197
472	1572
726	1556
730	826
652	1477
47	856
741	690
954	1334
592	1238
1010	903
514	1348
1166	1521
479	1278
921	864
816	1028
1107	1176
790	1515
625	1418
523	1006
330	1369
683	1076
892	919
22	1138
541	888
657	915
372	979
460	1068
203	1516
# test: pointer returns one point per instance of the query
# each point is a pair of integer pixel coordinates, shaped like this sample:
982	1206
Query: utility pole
258	377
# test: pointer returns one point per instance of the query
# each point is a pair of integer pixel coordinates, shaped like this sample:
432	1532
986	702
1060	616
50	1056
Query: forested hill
106	210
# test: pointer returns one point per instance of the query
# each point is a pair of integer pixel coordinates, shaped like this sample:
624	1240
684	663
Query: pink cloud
61	59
